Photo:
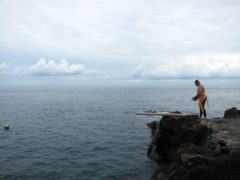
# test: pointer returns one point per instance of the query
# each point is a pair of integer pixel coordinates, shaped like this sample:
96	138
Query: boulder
172	131
232	113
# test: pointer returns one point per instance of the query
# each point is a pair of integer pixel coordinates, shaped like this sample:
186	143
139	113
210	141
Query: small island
189	148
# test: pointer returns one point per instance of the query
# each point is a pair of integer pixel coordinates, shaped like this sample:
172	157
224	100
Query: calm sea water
90	133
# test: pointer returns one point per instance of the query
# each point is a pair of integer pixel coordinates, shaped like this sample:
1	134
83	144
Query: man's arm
199	93
194	98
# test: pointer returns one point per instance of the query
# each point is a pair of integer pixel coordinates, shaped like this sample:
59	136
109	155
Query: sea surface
91	132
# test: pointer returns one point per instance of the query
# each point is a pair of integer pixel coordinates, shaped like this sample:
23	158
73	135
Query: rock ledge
187	148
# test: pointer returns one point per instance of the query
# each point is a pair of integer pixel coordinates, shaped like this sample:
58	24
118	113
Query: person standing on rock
201	97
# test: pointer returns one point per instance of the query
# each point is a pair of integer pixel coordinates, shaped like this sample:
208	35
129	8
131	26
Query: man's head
197	82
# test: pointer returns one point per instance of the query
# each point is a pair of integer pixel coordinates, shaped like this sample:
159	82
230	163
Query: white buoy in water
6	126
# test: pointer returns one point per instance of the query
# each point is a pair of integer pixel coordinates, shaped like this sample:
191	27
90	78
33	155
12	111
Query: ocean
91	132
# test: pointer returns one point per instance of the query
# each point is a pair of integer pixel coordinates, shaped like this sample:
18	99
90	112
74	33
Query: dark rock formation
173	131
195	149
6	127
232	113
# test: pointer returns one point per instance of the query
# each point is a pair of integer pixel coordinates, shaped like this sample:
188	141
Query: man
201	98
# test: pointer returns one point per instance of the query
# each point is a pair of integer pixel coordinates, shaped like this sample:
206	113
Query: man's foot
205	119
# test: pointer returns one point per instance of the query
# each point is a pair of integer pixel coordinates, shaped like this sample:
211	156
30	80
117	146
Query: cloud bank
194	66
53	68
126	31
169	39
3	67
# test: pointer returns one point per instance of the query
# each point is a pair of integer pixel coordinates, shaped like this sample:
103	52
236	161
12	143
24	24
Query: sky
74	40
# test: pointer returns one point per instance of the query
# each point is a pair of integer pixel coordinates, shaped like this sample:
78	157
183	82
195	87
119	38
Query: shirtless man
201	97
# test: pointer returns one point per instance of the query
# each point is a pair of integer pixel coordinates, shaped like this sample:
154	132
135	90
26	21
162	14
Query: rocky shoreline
189	148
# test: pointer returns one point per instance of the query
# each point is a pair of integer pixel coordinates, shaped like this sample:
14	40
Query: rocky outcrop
232	113
188	148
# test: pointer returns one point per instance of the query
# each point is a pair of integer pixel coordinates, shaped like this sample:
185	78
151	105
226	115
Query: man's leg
204	110
200	113
201	108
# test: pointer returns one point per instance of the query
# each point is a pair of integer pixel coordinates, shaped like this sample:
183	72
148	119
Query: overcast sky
120	39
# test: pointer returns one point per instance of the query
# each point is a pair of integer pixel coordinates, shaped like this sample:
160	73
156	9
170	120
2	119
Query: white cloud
194	66
51	67
112	36
110	30
4	67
